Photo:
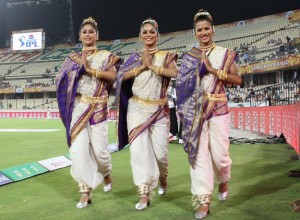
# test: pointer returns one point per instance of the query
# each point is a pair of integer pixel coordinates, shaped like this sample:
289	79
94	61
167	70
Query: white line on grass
28	130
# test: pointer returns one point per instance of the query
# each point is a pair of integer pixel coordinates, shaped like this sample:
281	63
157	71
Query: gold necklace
89	50
209	47
151	50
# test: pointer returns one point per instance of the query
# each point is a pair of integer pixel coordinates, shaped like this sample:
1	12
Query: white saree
212	161
149	152
91	160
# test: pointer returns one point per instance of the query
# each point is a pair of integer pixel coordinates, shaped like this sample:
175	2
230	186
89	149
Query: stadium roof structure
121	19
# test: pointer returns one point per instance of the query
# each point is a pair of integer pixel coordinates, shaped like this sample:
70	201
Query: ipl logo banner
29	42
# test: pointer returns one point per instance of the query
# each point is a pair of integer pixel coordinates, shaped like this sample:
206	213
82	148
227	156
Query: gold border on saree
92	100
215	97
160	102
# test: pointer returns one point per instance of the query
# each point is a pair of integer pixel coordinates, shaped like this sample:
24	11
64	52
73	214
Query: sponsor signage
55	163
4	180
271	120
24	171
278	64
33	40
28	114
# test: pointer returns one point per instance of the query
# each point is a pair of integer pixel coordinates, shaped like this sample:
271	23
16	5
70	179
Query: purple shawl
189	100
66	83
123	94
193	110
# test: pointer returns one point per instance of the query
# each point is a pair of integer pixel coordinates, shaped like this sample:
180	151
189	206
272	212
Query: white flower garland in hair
90	20
201	14
151	21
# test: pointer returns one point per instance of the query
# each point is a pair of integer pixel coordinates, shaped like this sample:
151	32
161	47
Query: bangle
219	73
222	75
132	72
225	75
159	70
99	74
93	72
135	71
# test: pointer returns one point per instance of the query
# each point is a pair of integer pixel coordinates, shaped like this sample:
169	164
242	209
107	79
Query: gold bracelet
93	72
224	76
219	73
134	72
99	74
161	71
131	73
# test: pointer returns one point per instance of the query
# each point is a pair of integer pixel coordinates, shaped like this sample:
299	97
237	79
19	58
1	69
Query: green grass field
259	188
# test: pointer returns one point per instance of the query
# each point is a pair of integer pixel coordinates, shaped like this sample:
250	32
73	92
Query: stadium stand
27	79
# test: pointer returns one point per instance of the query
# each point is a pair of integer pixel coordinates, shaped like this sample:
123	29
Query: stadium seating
262	38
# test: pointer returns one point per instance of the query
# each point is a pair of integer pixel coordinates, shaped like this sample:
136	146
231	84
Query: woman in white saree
83	84
203	111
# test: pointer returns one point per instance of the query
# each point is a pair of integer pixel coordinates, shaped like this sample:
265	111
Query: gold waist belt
161	102
92	100
215	97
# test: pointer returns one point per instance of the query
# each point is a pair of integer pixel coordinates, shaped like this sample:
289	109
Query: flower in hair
89	20
202	13
151	21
